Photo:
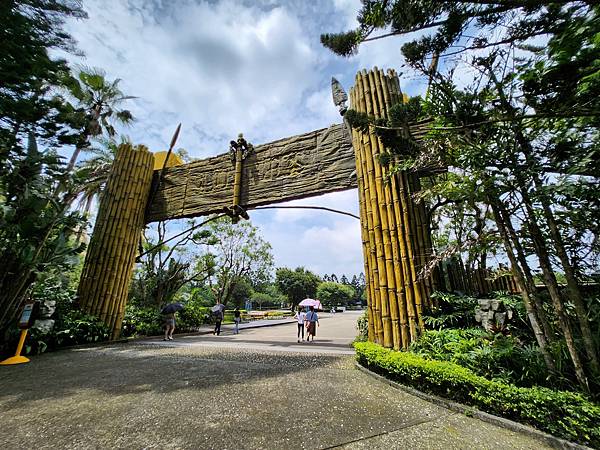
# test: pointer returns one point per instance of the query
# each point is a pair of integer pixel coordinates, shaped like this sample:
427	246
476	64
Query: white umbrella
311	302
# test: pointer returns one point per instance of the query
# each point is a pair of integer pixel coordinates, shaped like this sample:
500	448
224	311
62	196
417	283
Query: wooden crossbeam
306	165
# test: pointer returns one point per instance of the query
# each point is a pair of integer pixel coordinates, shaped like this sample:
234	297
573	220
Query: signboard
309	164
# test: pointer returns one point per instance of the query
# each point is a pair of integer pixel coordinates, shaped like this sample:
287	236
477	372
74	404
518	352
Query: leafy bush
564	414
193	316
71	328
147	320
363	327
79	328
490	355
452	310
141	321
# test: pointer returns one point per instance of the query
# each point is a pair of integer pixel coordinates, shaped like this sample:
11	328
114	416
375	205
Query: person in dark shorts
169	321
237	318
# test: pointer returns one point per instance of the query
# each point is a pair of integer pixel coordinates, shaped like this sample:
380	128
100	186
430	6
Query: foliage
494	356
528	113
147	321
29	75
239	253
35	223
35	227
452	310
164	271
296	284
141	321
269	299
564	414
332	294
97	104
241	292
362	324
71	326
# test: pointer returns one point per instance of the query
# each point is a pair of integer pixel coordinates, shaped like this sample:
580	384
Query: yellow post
17	359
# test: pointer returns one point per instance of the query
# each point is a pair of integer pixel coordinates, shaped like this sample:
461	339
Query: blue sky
225	67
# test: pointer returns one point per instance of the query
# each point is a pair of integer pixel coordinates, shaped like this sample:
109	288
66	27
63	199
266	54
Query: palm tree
94	171
98	100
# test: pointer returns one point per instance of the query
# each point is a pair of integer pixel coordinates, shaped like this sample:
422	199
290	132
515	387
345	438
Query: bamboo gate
395	233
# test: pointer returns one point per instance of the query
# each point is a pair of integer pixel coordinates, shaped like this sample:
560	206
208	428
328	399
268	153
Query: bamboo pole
391	330
374	220
396	241
404	217
377	109
106	275
419	233
364	229
402	309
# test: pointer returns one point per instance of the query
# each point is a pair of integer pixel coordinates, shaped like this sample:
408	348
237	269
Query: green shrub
452	310
363	327
564	414
141	321
490	355
193	316
148	321
71	328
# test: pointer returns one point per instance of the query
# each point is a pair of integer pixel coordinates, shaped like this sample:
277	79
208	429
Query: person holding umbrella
312	321
217	311
169	319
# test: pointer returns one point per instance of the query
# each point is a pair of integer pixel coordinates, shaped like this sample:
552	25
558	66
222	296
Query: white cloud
321	241
233	66
217	68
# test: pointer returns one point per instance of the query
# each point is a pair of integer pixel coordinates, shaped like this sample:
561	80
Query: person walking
218	319
237	318
301	318
169	321
312	321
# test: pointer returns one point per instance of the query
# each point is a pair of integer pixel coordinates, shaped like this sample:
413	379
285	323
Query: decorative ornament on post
238	150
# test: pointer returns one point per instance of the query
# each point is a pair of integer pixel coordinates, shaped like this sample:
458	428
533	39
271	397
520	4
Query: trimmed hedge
564	414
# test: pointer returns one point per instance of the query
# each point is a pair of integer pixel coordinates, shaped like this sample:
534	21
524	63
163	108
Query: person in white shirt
300	317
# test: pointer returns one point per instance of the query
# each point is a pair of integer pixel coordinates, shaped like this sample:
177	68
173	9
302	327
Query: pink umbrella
311	302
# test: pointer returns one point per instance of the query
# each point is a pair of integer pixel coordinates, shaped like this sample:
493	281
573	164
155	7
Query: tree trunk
523	285
573	290
552	286
528	277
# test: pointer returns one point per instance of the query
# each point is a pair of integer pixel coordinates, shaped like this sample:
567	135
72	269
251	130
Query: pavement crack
410	424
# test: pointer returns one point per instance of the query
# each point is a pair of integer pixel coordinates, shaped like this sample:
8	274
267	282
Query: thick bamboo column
364	231
383	336
109	261
395	240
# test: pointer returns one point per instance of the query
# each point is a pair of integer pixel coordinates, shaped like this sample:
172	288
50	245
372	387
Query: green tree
332	294
241	292
98	104
296	284
35	224
239	253
29	76
507	134
164	269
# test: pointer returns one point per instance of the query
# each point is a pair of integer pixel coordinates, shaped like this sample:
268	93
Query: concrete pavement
256	390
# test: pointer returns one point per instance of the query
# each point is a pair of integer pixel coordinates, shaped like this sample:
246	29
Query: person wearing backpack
312	321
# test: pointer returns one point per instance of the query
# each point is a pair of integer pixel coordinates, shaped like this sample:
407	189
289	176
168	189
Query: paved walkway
259	389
